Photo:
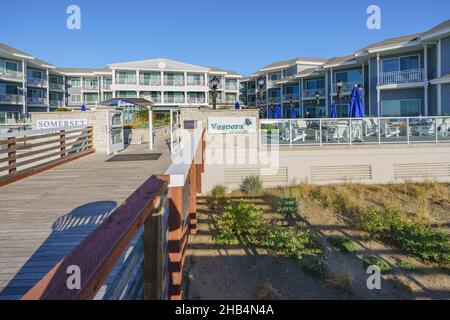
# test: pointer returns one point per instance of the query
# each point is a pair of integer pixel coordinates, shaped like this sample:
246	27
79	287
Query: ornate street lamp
291	103
214	86
340	93
261	82
318	97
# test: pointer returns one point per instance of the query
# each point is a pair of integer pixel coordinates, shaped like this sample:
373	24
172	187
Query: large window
6	117
34	74
275	76
126	77
126	94
74	82
195	79
401	64
75	98
10	66
8	89
400	108
350	77
33	93
291	90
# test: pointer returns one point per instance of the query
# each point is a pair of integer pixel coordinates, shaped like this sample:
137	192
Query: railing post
62	143
12	155
193	199
176	242
408	131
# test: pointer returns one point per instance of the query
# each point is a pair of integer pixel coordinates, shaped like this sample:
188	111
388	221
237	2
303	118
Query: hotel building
404	76
28	84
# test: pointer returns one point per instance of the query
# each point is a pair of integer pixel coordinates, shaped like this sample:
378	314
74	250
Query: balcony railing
150	82
272	83
37	100
402	77
173	83
11	98
10	74
311	93
57	86
90	87
293	96
219	86
169	99
231	87
126	81
106	86
274	99
196	100
57	103
326	131
347	87
196	83
36	82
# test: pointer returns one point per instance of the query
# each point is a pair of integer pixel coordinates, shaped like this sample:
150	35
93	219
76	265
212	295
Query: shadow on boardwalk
67	232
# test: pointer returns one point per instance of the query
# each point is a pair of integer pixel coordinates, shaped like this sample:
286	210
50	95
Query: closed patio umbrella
83	108
277	112
356	104
333	111
237	106
294	114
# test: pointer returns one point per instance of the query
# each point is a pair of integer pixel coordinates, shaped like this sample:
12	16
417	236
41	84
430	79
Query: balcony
274	99
11	99
57	86
90	87
347	87
219	86
231	87
251	91
11	75
106	86
126	81
149	82
196	100
293	96
311	93
174	99
37	82
402	77
173	83
57	103
196	83
39	101
272	83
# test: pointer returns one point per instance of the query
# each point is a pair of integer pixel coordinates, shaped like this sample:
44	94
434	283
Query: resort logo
374	20
74	19
61	123
231	125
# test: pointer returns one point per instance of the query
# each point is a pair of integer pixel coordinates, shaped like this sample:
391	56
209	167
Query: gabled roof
437	31
224	72
291	62
82	71
337	61
160	65
23	55
397	41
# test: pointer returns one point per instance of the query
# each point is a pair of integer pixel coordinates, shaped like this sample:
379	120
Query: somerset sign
231	125
61	123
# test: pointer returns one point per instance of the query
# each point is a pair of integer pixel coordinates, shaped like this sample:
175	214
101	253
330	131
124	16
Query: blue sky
243	35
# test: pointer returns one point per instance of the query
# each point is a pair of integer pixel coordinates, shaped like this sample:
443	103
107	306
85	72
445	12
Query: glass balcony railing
11	98
37	101
10	74
326	131
126	81
311	93
149	82
36	82
174	99
90	87
402	77
57	86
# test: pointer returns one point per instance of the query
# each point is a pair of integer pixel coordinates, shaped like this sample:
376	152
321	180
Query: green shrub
405	265
376	261
412	236
315	268
241	221
342	282
343	244
289	242
252	186
219	192
286	204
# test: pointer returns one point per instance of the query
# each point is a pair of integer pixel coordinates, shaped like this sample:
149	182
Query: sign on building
231	125
60	123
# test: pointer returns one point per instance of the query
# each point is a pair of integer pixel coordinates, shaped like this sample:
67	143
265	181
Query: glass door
115	131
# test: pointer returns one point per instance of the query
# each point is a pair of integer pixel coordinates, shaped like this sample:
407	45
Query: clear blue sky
243	35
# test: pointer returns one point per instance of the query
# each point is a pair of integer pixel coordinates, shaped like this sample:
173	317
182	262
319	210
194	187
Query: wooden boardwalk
43	217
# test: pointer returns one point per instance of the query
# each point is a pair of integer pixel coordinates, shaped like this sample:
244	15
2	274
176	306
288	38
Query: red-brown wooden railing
165	207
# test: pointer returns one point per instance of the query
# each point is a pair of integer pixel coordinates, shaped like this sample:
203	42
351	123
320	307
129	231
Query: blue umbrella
277	112
333	111
83	108
237	106
294	114
356	104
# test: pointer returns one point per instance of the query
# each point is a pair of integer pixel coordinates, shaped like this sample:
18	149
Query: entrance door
115	131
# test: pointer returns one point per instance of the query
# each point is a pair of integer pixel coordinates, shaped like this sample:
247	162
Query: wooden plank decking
43	217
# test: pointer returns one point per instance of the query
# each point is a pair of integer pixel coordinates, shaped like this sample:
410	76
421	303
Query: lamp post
291	103
261	83
318	97
340	92
214	86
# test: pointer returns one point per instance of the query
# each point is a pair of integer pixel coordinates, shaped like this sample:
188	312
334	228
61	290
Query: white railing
197	83
106	86
347	87
272	83
311	93
126	81
149	82
91	87
36	100
402	77
57	86
36	82
11	98
174	83
11	74
231	87
355	131
168	99
57	103
274	99
251	91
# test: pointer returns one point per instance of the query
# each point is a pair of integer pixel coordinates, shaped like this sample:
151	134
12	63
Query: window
107	96
91	98
54	80
74	82
35	93
315	84
107	81
91	82
34	74
291	90
195	79
128	77
400	108
230	97
126	94
6	117
352	77
10	66
75	98
401	64
275	76
8	89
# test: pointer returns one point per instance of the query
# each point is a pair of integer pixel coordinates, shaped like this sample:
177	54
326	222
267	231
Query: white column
64	91
24	87
48	90
364	84
326	93
369	88
150	122
425	97
81	89
378	83
138	79
439	75
302	109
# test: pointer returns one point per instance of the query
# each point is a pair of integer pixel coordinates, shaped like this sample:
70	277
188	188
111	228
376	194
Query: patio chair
357	130
428	129
389	131
299	130
285	131
340	132
370	128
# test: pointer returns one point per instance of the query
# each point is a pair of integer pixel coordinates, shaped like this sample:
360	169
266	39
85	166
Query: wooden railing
144	239
26	153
